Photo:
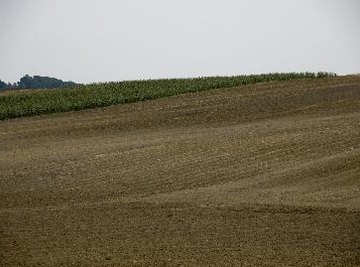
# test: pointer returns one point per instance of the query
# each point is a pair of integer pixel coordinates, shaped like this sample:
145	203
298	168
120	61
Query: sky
112	40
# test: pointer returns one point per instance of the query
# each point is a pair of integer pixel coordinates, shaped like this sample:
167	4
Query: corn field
105	94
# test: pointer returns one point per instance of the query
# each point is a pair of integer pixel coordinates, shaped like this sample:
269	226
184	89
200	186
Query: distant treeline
36	82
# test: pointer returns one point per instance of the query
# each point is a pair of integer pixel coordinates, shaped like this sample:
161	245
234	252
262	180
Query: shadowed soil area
260	175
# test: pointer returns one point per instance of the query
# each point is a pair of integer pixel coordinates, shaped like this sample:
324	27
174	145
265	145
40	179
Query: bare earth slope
262	175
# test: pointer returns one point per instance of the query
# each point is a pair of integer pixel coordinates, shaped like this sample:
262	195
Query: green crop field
105	94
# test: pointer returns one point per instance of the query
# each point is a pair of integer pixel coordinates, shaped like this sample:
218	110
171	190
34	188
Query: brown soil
262	175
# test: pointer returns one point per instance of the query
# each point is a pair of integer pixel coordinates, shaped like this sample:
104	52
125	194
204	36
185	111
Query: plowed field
260	175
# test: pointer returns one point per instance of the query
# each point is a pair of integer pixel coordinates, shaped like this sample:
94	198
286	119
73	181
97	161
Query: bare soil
261	175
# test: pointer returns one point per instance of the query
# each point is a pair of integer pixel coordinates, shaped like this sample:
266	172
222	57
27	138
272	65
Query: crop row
105	94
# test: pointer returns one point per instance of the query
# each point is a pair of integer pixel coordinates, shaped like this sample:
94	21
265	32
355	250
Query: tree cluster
36	82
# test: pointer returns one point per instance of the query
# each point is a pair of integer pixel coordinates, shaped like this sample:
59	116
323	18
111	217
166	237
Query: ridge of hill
36	102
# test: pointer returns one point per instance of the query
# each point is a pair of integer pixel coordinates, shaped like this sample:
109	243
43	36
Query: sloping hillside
261	175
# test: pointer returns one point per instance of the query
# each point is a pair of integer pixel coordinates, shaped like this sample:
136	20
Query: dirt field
262	175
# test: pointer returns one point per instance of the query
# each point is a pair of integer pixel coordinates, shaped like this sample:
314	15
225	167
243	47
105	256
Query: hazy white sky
103	40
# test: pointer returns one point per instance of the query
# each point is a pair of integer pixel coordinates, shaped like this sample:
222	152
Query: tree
25	82
40	82
3	85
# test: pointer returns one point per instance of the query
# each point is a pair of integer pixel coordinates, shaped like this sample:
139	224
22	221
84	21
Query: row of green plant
106	94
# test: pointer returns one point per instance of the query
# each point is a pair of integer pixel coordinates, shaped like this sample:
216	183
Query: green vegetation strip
106	94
